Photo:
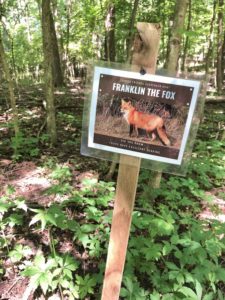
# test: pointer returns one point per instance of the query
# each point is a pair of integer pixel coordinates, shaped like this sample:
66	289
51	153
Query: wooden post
146	47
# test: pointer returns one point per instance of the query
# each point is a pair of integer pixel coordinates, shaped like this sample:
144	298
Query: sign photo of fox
146	116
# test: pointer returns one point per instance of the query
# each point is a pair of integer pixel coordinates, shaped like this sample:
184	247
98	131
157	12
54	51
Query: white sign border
148	77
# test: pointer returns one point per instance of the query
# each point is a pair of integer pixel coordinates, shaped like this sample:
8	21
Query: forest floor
28	174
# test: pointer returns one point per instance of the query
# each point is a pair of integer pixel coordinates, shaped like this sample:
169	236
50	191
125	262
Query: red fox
149	122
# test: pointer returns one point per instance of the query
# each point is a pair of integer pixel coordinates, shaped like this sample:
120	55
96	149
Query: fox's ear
122	101
129	102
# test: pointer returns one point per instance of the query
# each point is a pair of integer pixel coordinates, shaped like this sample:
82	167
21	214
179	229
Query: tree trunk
219	68
223	136
13	57
176	36
68	24
186	45
110	55
110	49
48	66
223	57
172	66
12	98
210	39
163	34
131	30
56	63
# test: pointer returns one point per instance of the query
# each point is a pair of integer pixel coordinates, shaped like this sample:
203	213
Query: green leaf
21	204
187	242
129	284
44	281
14	219
152	251
61	173
10	190
87	228
4	207
220	295
198	289
209	296
171	266
186	291
84	239
19	252
167	248
56	272
30	271
67	273
163	227
74	290
155	296
85	284
39	261
40	216
70	263
124	293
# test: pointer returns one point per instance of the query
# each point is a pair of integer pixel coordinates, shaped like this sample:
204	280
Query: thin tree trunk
13	57
66	62
219	70
223	136
110	55
169	21
56	62
111	171
8	77
68	22
110	49
48	64
172	66
186	45
176	36
210	39
163	34
223	56
131	30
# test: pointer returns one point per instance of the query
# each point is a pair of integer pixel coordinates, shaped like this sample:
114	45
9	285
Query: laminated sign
146	116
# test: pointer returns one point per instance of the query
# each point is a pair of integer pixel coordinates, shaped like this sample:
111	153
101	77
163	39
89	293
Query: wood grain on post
146	45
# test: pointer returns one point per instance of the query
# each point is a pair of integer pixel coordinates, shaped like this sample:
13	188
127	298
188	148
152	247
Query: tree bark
172	66
131	30
223	56
176	36
110	55
68	23
163	34
56	62
48	65
186	45
110	49
210	39
223	136
219	68
8	77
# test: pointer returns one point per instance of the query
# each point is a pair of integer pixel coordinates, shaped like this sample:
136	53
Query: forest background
56	206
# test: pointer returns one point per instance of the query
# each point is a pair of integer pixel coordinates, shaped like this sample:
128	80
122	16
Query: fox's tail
162	134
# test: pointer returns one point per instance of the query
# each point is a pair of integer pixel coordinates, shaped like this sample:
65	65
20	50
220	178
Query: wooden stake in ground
146	45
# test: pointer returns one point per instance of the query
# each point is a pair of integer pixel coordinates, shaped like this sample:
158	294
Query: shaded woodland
56	205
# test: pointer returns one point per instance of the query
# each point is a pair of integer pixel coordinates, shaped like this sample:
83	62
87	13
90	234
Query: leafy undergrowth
55	229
